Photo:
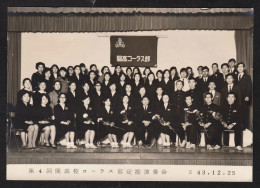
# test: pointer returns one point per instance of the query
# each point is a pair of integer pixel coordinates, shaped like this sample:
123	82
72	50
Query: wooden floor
154	155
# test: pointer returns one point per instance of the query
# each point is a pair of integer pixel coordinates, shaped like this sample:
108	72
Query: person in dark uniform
93	67
209	122
83	71
244	84
159	78
126	119
178	98
137	83
230	86
195	93
232	67
25	120
121	85
129	75
145	127
129	93
224	68
27	86
115	77
64	122
199	77
167	83
146	72
216	76
38	76
151	86
86	119
204	82
107	126
55	71
38	94
70	74
92	81
189	122
106	84
77	77
165	120
114	96
158	99
174	76
63	80
48	80
44	118
73	97
190	72
232	120
97	98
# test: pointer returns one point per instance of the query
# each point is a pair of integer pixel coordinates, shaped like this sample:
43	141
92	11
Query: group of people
86	106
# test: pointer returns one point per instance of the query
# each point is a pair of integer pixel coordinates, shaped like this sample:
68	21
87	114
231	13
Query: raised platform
154	155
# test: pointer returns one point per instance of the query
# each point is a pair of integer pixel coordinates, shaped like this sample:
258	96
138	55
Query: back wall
180	48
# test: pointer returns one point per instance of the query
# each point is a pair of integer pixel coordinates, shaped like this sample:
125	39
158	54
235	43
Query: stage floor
153	155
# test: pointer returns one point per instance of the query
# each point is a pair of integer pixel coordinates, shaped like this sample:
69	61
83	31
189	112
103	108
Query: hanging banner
131	51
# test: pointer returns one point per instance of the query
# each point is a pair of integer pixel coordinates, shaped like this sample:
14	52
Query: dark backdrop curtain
125	22
244	49
13	67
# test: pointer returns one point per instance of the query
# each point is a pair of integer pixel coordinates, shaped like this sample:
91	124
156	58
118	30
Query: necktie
239	78
229	89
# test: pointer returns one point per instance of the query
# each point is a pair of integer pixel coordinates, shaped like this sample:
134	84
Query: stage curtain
13	67
244	50
126	22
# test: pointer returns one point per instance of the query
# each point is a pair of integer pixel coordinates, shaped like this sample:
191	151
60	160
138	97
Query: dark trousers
178	130
245	115
192	133
238	135
213	135
141	130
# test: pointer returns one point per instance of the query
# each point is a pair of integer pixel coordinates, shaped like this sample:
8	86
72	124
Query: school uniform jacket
142	114
62	115
90	112
245	86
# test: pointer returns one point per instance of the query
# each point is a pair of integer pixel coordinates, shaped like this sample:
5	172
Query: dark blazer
90	112
224	94
115	78
207	110
151	90
196	95
23	113
141	114
168	87
79	81
231	114
190	117
157	103
135	88
129	113
107	116
120	88
105	88
62	115
115	99
178	100
97	101
204	86
36	78
72	101
245	86
167	114
43	113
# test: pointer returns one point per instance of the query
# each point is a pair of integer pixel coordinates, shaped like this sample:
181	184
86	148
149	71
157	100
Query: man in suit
216	95
232	66
225	69
230	87
145	126
244	83
209	122
204	82
195	93
232	120
216	76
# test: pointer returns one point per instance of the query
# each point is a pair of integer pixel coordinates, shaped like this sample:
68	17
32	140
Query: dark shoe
53	146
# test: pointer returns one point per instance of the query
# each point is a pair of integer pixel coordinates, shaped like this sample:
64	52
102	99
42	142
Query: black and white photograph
130	94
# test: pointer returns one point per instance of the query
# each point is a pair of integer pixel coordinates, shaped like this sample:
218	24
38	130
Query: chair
231	138
12	130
